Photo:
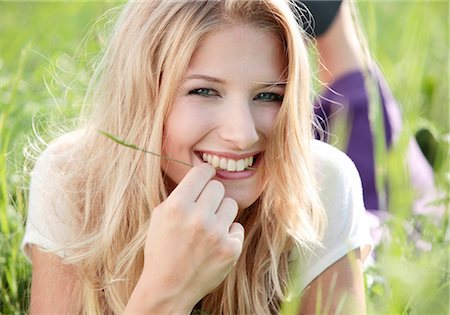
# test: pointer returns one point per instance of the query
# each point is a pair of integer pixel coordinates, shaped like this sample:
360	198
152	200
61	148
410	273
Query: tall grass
37	42
39	78
410	40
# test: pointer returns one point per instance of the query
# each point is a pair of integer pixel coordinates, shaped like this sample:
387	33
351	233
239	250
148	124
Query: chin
243	199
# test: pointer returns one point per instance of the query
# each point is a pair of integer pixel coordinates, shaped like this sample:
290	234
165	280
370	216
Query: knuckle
199	225
203	230
173	207
173	204
213	239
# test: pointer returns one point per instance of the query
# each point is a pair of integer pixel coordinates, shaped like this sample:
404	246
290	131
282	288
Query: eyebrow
273	84
204	77
217	80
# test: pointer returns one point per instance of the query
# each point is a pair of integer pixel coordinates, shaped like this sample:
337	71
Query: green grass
410	41
40	80
43	72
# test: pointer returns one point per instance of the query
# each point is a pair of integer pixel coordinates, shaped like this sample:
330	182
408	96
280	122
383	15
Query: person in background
346	70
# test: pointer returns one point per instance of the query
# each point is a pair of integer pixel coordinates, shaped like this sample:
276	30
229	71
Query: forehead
240	50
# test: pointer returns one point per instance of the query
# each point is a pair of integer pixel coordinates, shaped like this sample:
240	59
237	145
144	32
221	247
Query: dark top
316	15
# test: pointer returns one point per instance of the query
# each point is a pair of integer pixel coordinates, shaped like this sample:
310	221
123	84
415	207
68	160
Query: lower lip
234	175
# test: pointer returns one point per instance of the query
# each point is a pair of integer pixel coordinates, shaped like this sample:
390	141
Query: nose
238	126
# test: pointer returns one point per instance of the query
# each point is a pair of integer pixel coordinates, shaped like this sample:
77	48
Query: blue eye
268	97
204	92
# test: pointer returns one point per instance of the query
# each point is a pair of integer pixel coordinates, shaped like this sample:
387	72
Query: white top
340	191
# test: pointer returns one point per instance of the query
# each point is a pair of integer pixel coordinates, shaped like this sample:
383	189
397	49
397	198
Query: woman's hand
192	243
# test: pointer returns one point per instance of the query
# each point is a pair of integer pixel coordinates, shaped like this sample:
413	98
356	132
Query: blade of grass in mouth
135	147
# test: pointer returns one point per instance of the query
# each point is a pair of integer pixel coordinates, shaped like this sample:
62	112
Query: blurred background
47	50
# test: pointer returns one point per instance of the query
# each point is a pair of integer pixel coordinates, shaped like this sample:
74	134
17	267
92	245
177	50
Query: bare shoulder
54	285
341	285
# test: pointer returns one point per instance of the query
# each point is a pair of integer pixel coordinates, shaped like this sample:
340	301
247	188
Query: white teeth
240	165
227	164
223	163
215	161
231	165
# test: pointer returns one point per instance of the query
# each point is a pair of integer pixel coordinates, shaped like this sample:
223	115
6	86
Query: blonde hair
113	189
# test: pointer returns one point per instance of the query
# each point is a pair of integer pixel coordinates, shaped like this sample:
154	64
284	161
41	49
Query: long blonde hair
113	189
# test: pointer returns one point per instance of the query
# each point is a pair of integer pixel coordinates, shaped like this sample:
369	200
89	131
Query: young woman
243	211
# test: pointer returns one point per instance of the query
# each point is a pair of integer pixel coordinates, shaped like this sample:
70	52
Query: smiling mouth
227	164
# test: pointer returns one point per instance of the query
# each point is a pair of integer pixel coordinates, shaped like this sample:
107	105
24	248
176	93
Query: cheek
265	119
187	124
174	140
183	129
175	129
181	135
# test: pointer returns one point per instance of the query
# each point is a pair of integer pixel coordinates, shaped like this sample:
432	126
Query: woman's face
225	109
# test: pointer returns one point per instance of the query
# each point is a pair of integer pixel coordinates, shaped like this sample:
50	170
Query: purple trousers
347	98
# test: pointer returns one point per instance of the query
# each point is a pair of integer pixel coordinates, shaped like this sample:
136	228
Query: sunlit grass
39	79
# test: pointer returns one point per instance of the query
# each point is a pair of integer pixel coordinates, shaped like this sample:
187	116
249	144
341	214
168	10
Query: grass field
44	67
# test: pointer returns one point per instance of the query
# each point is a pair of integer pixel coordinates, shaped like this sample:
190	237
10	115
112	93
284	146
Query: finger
227	212
193	183
236	239
211	196
237	232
